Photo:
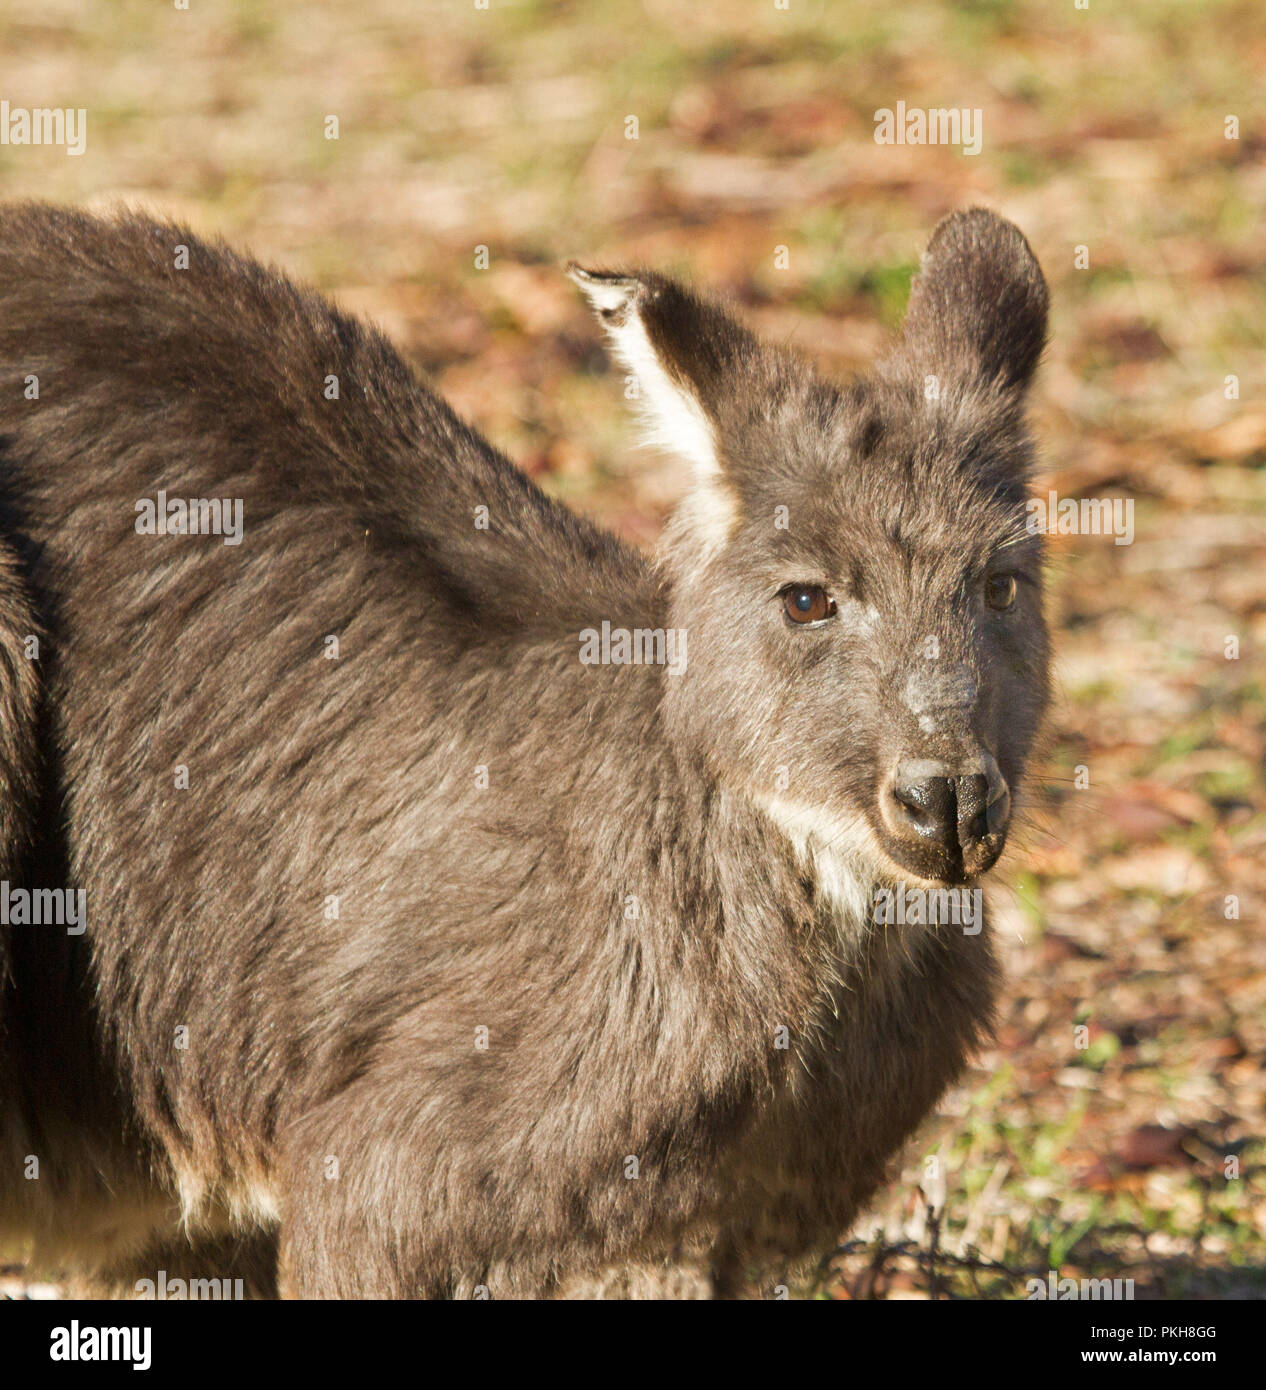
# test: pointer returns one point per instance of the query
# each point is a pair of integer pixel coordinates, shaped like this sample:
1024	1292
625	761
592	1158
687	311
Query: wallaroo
420	956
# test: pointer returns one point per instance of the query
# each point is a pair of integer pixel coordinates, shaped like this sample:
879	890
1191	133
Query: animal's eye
807	603
1000	591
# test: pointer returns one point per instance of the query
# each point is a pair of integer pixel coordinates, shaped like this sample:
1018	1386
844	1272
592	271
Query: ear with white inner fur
685	354
673	416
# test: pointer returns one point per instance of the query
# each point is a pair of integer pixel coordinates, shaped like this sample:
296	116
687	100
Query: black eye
1000	591
806	603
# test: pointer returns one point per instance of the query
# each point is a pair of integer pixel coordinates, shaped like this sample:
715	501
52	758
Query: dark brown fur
617	908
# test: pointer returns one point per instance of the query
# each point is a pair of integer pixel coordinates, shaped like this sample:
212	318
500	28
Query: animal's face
867	653
880	664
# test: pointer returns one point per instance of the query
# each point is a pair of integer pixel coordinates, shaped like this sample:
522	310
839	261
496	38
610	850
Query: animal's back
264	747
140	357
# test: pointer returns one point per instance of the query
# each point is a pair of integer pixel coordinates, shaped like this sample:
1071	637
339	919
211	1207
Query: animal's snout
956	812
940	688
959	817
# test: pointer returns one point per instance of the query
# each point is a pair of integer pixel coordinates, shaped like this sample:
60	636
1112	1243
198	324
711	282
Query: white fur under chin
840	852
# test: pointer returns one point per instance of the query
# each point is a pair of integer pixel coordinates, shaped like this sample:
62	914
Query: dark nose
957	813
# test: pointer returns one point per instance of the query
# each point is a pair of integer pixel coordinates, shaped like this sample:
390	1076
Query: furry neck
839	853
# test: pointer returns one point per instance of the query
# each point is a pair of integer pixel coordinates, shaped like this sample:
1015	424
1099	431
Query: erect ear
978	305
688	358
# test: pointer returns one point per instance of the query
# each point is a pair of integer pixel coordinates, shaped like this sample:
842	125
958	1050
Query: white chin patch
839	851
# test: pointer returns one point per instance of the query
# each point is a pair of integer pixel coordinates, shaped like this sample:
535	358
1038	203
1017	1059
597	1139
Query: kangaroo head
868	655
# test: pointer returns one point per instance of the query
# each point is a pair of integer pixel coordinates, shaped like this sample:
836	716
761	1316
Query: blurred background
1116	1128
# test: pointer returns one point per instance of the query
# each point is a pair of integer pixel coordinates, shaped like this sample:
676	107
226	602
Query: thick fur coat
422	956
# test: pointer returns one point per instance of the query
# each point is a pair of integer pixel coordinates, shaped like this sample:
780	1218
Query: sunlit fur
647	893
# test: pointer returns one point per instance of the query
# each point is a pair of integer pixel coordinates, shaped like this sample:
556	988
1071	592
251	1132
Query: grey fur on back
647	937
